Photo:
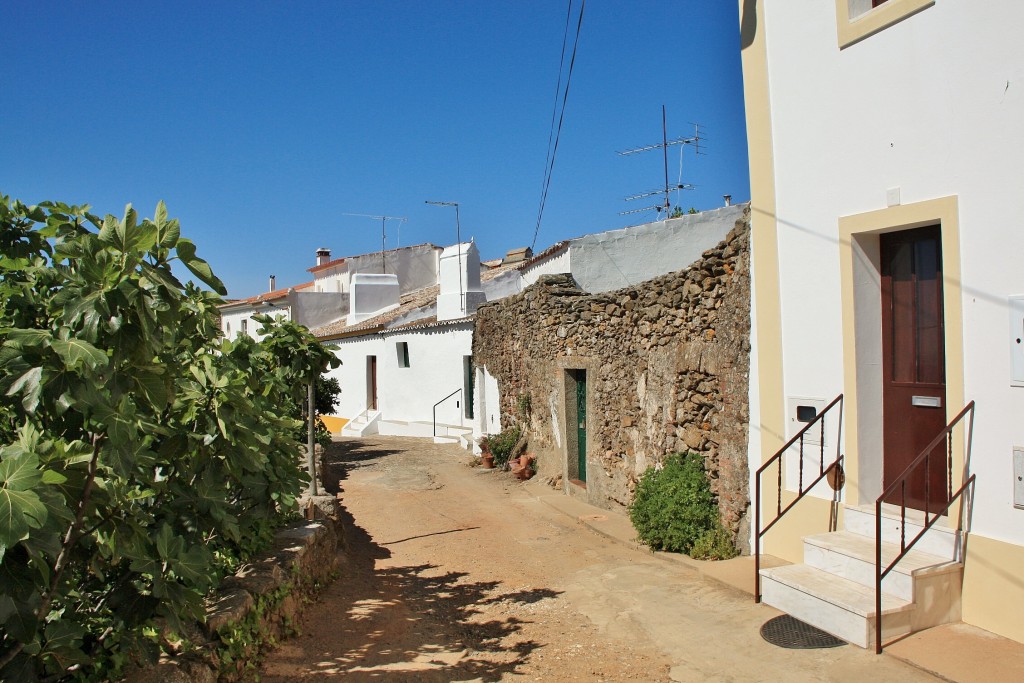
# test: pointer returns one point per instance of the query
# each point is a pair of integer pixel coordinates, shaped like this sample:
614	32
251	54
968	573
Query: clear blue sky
262	123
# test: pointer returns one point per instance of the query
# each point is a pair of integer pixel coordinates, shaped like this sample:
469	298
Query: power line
553	149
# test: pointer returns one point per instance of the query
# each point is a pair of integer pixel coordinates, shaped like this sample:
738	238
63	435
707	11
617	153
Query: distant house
885	141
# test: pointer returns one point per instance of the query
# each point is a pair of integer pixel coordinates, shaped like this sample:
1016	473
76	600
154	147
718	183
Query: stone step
940	539
852	556
839	606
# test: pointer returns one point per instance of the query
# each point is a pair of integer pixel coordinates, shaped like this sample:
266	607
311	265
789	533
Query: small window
245	327
403	354
858	19
228	328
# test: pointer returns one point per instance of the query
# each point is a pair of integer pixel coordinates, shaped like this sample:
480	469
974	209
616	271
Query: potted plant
486	458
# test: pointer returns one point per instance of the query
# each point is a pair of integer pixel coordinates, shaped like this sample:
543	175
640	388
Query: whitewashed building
407	365
885	141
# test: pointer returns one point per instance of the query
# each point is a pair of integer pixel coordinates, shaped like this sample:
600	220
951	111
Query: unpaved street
459	574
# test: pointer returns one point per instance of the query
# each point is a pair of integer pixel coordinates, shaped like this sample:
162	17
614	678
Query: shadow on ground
341	457
409	623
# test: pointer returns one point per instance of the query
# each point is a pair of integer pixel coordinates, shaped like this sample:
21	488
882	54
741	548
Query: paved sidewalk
955	652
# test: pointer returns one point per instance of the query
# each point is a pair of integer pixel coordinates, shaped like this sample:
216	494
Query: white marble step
940	539
852	557
839	606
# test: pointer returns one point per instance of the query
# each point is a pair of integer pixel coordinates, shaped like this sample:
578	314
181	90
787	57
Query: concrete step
852	556
844	608
940	539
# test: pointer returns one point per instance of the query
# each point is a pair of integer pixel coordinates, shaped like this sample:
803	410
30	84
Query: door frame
860	268
372	395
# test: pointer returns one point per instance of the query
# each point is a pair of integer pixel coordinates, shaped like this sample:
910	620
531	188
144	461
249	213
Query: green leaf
200	268
53	477
28	386
20	511
78	353
19	472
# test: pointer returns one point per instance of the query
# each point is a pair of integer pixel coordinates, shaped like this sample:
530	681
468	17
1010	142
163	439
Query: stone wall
666	363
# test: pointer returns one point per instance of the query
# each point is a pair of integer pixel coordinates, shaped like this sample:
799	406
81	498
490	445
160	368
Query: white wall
932	105
436	357
415	266
231	320
372	295
554	265
614	259
459	280
314	309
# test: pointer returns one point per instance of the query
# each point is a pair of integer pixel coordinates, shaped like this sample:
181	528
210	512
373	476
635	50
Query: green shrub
503	443
674	510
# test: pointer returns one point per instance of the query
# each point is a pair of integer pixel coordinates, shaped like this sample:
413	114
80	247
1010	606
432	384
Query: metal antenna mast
458	242
695	140
383	238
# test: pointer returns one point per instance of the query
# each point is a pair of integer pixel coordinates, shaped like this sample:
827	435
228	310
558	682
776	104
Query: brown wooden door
913	364
371	382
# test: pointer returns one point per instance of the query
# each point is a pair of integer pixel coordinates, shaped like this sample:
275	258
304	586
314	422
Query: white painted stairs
834	589
364	423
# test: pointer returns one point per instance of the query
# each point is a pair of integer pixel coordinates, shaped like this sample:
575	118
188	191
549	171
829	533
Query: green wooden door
581	417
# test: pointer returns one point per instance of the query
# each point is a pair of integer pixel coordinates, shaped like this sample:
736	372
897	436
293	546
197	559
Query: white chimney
728	199
323	255
273	282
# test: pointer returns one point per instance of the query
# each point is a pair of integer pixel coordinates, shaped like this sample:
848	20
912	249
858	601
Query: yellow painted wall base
334	424
786	539
993	596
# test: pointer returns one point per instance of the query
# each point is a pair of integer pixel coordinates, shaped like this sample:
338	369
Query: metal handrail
439	403
823	472
901	482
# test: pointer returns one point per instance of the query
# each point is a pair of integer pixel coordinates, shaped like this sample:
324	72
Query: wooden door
581	417
913	364
371	382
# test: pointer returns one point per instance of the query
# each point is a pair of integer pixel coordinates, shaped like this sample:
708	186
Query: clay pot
487	461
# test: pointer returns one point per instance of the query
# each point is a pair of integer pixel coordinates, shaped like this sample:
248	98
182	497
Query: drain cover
785	631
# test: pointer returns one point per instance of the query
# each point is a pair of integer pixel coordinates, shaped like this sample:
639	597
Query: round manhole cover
785	631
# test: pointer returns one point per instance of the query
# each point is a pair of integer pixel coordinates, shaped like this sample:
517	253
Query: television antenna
695	140
383	236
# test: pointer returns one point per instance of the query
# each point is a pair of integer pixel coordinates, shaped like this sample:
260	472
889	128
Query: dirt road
458	574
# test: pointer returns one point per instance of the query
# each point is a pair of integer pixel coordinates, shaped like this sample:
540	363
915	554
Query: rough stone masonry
666	362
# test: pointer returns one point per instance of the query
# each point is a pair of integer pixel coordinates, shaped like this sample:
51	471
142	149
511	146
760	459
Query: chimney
323	255
728	199
273	282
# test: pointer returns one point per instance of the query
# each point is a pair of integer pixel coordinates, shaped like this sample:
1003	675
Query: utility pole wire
561	118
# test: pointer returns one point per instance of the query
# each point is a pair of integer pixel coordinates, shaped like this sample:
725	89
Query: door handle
926	401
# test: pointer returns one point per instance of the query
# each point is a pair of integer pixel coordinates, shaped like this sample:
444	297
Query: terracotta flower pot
487	461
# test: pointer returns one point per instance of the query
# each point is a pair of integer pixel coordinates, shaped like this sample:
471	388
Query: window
245	326
228	329
403	354
858	19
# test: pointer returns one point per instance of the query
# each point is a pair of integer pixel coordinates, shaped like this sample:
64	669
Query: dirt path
457	574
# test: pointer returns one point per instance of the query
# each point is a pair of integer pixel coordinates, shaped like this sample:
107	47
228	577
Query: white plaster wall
415	266
555	265
371	295
314	309
502	285
488	407
459	280
232	319
436	357
333	279
932	105
619	258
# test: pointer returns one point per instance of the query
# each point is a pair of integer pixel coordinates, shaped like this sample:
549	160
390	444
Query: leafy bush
674	510
142	456
502	444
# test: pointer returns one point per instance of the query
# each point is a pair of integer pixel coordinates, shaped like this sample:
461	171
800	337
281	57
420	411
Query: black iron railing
776	460
457	391
900	484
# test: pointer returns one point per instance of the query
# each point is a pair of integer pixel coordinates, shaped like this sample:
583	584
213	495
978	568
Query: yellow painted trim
764	249
874	20
334	424
946	213
993	587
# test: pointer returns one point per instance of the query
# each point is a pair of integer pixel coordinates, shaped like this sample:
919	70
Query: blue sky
262	123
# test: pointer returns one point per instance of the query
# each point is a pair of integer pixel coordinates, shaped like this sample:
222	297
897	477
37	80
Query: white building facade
884	144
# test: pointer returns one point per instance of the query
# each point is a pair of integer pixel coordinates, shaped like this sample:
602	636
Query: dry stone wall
667	364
